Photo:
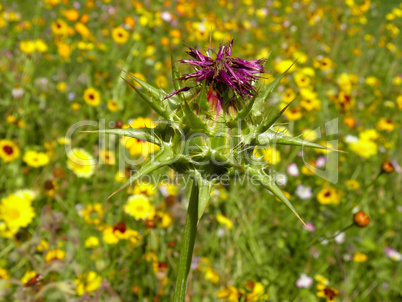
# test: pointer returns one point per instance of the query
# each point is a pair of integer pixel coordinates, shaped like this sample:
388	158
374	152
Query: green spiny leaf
204	194
144	134
270	121
202	98
175	73
161	159
192	119
267	181
273	137
246	110
156	106
264	93
156	93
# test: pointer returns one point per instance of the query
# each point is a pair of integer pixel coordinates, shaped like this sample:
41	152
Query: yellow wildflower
42	246
36	159
223	220
144	188
369	135
108	157
4	275
323	63
352	184
112	106
87	282
27	46
211	275
92	96
271	155
229	294
364	148
55	254
321	279
28	276
258	293
9	151
59	27
64	50
359	257
91	242
282	66
385	124
82	29
328	195
139	207
93	213
120	35
330	293
40	45
16	212
81	163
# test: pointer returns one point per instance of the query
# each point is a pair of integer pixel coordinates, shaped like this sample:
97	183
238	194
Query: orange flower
72	15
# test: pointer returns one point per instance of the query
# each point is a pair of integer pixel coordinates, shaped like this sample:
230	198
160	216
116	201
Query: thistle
210	130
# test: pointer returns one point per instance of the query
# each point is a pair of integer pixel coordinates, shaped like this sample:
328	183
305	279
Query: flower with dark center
120	226
224	73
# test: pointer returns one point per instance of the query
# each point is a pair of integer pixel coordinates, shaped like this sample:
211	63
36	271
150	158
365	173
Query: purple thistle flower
224	72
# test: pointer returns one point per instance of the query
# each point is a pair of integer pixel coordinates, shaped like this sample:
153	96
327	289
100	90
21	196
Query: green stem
362	201
322	235
187	246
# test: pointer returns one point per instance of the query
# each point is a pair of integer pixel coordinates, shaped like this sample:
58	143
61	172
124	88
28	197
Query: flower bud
387	167
119	124
232	111
361	219
150	224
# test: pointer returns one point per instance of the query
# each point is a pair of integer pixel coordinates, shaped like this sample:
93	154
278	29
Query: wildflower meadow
185	150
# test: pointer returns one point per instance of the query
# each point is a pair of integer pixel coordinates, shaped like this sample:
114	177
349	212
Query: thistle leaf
156	106
202	98
270	121
204	194
246	110
192	119
156	93
267	182
264	93
273	137
144	134
175	73
161	159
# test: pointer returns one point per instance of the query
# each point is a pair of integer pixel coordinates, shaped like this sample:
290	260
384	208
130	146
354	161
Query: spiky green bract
207	136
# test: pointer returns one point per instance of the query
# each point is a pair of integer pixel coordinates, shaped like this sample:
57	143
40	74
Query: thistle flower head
225	73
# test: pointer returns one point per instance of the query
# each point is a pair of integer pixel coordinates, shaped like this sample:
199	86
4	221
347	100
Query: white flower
17	93
293	170
166	16
281	179
221	232
340	238
351	139
304	281
304	192
393	254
